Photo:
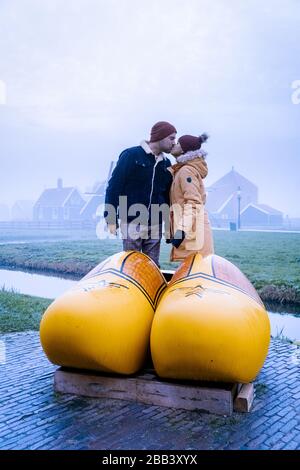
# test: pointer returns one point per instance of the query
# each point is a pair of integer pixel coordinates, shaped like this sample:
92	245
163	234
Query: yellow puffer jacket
188	197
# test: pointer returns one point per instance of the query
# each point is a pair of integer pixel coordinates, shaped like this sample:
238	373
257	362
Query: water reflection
34	284
282	308
285	325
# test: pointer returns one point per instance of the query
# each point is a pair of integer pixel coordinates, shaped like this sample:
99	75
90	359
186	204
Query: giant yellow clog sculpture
104	322
210	324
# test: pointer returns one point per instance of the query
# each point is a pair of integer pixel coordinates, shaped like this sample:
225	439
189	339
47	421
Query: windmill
103	184
111	167
93	208
101	229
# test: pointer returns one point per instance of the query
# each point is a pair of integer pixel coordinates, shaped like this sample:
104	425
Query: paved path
32	416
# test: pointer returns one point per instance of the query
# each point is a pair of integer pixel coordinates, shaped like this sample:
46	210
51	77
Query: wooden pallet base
217	398
244	399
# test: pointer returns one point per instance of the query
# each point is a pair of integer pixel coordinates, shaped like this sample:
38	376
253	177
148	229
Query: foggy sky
80	80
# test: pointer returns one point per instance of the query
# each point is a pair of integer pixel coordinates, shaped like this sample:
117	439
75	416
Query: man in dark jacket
139	184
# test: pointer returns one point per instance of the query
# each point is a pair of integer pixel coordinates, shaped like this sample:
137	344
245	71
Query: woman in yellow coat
189	224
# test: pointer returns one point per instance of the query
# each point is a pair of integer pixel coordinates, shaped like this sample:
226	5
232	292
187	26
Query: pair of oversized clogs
207	323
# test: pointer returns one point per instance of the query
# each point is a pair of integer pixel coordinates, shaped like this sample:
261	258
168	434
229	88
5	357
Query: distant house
233	194
22	210
4	212
223	198
58	204
258	215
95	199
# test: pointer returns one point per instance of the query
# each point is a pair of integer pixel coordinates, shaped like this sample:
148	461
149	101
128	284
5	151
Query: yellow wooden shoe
104	322
210	324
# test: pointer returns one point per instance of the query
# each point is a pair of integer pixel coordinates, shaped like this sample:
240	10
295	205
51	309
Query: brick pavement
33	416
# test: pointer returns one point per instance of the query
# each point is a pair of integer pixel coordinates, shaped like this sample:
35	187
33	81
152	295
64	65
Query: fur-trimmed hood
191	155
195	159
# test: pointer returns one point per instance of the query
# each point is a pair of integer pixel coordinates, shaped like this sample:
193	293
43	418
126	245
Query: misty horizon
81	81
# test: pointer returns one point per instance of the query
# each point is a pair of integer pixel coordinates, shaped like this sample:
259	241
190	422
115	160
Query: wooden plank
149	389
89	385
244	399
213	400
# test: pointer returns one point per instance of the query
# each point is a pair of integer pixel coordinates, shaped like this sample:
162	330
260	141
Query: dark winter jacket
142	178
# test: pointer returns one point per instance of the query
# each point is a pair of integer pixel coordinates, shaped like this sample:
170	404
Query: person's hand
112	228
178	238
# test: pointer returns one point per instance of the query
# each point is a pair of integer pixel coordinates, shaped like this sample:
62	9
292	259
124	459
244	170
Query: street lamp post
239	206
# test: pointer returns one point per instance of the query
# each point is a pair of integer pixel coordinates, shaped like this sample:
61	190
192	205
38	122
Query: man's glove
178	238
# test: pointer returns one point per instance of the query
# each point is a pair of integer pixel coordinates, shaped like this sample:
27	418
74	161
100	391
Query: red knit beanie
189	142
160	130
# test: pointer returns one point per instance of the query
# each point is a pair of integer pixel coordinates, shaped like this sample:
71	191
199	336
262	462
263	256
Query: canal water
284	323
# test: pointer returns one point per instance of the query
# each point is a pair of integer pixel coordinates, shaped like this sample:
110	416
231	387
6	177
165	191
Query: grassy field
270	260
20	312
14	235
